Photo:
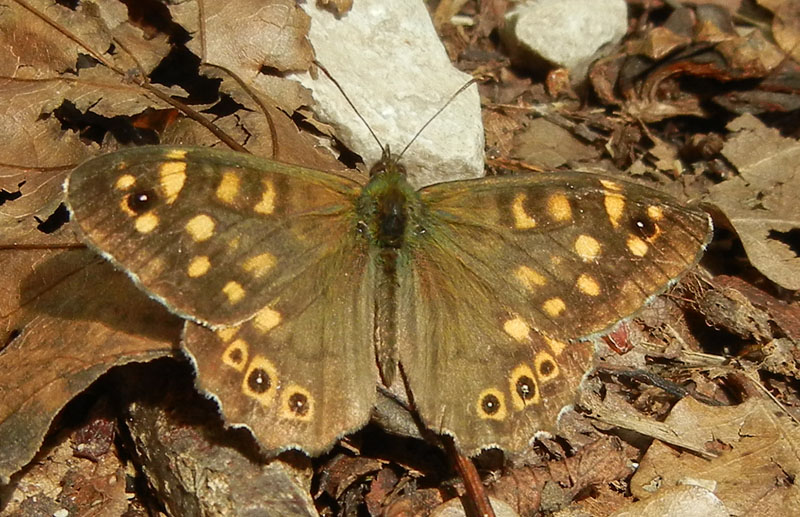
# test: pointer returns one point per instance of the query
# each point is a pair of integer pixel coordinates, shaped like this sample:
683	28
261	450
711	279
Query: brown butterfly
302	289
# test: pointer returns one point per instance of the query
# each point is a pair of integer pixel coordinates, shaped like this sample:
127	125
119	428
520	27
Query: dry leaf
761	203
757	461
61	332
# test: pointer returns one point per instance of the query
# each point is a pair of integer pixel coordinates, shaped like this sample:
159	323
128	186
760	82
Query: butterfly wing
262	259
507	274
212	234
302	372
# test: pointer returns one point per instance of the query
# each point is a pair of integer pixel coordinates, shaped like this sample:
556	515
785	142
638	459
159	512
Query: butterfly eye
362	228
420	230
141	201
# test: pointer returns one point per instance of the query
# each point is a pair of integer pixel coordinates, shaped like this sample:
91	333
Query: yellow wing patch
146	223
529	278
522	220
637	246
267	203
554	307
517	329
198	266
228	187
234	291
588	285
266	319
587	248
172	176
201	227
259	265
559	208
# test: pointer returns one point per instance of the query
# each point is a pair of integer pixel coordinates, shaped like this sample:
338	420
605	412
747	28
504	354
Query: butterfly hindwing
212	234
508	274
302	372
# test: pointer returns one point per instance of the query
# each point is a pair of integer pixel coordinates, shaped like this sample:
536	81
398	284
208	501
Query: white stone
389	60
567	33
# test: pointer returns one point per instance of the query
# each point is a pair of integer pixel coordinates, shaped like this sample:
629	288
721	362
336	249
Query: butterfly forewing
572	253
212	234
508	273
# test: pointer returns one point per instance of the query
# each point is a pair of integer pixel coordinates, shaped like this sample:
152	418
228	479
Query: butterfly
303	290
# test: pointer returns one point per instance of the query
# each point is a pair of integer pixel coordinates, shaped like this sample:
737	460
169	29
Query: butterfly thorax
389	208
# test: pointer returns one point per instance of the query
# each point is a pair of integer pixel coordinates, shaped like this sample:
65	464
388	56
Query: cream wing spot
198	266
637	246
522	221
172	176
227	333
556	346
200	227
529	278
234	291
125	182
267	203
266	319
611	185
554	307
588	285
259	265
587	248
615	207
558	207
228	187
655	213
146	223
517	329
175	154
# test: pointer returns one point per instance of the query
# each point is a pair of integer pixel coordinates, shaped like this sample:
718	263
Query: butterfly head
389	164
389	207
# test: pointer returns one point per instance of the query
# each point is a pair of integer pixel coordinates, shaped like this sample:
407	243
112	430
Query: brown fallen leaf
70	318
758	456
761	202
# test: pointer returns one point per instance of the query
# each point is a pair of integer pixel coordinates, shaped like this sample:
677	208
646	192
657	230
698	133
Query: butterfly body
301	288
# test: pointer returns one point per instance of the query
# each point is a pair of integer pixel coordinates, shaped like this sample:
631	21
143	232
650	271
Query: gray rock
389	60
566	33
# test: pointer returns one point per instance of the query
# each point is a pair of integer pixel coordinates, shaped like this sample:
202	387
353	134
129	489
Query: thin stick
476	492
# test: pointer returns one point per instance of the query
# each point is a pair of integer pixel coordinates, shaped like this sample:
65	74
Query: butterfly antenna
452	97
341	90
